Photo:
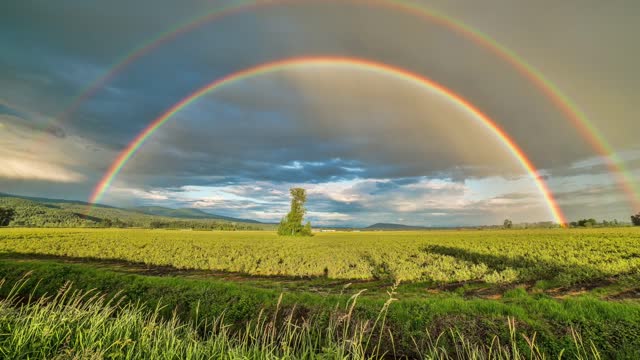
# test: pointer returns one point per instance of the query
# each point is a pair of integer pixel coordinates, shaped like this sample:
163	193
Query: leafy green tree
635	219
6	215
291	225
508	224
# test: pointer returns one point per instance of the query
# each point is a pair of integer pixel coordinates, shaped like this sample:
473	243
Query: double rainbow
572	112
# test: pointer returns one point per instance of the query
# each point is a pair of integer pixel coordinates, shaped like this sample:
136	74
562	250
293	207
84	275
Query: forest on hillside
18	212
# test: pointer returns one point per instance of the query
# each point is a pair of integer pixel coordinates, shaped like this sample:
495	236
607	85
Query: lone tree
6	215
635	219
508	224
291	225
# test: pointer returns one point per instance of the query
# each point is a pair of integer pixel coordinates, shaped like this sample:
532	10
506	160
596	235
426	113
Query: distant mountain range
391	226
188	213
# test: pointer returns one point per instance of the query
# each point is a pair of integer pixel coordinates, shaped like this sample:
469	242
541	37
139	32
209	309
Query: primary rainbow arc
369	65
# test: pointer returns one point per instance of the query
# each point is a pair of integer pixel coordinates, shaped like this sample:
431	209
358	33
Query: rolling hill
44	212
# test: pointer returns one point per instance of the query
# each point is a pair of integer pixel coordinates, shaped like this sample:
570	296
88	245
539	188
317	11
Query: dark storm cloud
28	122
68	46
599	166
147	90
591	192
320	124
9	111
587	202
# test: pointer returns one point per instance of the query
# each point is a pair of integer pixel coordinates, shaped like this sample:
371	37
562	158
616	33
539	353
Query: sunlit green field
497	256
483	294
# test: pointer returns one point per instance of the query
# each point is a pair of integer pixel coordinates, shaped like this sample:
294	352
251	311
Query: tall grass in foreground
73	324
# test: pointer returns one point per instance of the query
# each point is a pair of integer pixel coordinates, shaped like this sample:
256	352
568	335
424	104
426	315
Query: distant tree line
589	223
198	225
509	224
582	223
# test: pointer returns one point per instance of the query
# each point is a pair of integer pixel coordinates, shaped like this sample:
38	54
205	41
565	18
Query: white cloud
326	217
346	191
119	191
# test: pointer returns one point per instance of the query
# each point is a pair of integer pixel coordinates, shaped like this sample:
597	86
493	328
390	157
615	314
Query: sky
367	146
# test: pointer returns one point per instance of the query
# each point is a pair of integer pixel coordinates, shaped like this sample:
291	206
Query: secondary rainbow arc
126	154
571	111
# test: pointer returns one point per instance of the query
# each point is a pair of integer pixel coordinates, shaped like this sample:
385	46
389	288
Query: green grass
85	324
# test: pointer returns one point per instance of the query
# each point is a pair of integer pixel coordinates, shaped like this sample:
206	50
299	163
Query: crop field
565	256
430	294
